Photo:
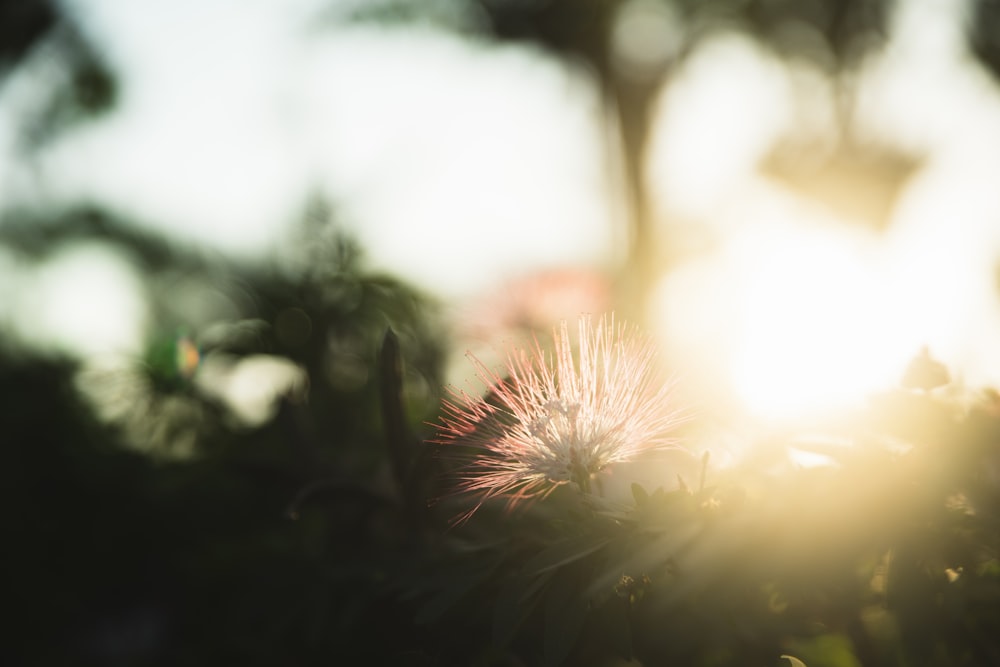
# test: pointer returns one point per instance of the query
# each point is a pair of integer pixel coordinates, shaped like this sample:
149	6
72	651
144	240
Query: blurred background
795	197
211	211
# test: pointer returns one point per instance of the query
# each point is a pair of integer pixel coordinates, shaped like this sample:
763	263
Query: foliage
887	557
169	531
325	534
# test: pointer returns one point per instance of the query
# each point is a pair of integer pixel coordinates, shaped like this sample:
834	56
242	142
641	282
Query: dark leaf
565	615
640	495
514	604
562	553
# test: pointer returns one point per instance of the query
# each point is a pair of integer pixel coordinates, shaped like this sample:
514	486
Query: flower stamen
561	419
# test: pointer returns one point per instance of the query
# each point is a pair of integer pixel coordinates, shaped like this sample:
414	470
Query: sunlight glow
790	306
809	315
798	315
807	322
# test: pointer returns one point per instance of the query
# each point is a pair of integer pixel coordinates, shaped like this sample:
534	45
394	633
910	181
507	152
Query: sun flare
807	320
815	325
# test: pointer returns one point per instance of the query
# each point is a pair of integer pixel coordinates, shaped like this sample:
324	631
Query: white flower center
556	423
568	457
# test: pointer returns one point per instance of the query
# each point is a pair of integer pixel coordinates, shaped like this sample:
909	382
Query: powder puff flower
557	418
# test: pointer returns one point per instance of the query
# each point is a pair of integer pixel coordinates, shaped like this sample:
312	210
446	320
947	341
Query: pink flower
561	417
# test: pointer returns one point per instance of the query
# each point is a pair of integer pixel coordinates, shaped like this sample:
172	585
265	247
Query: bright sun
797	317
814	323
789	307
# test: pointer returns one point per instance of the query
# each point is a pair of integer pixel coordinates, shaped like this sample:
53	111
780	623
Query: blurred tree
983	32
631	47
21	25
63	80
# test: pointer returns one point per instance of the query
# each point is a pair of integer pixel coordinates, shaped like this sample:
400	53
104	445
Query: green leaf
444	600
450	588
611	620
562	553
565	615
831	650
640	495
515	602
400	442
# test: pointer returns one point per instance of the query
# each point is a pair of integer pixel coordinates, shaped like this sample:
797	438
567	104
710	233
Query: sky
232	114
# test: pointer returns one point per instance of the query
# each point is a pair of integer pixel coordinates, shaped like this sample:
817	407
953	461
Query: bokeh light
86	300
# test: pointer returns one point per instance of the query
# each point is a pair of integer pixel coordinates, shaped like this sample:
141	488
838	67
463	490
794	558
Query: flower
559	418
